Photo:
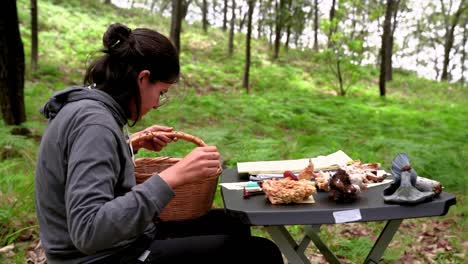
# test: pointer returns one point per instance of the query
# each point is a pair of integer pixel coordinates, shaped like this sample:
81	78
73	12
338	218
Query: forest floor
292	111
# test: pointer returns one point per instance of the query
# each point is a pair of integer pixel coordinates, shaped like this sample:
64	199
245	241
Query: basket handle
178	134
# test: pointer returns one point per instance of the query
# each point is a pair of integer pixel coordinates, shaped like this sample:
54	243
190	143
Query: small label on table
347	216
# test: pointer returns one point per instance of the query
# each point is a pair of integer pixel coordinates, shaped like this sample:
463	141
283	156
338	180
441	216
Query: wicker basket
191	200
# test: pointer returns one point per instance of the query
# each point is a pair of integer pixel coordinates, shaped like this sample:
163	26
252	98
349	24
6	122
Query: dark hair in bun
115	34
126	53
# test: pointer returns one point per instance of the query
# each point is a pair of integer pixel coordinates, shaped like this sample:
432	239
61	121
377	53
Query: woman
88	206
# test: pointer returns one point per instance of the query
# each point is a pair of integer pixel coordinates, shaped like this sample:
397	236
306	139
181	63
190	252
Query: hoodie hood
76	93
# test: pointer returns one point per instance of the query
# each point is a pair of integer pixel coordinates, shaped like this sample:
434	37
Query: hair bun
115	34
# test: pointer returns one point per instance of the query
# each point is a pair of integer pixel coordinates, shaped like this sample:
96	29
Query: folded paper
329	162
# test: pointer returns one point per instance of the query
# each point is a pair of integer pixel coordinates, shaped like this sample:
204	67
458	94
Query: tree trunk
245	82
331	30
270	36
107	2
340	77
463	56
11	66
184	9
225	9
449	38
176	23
205	16
288	36
296	41
353	22
288	22
261	17
279	27
231	30
34	39
244	18
389	68
316	25
385	49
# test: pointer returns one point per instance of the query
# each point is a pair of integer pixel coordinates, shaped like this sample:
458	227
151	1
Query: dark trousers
213	238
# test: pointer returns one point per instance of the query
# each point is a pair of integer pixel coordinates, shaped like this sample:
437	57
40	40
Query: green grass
291	112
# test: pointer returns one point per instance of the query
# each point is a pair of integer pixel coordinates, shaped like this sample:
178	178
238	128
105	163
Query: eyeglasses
176	92
163	98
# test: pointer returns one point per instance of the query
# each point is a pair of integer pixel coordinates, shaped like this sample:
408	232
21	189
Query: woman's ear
143	76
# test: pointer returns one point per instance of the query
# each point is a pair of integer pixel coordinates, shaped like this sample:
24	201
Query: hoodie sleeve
96	219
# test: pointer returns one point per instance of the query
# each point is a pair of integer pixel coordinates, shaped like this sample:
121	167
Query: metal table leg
287	245
382	242
295	253
313	233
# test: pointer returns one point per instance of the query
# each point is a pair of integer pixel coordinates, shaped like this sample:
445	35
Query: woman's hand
201	162
156	143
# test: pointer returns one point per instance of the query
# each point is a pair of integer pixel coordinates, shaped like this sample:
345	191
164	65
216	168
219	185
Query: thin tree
261	17
288	21
316	24
265	23
34	38
463	56
299	20
231	30
107	2
244	17
386	42
184	8
279	23
11	66
332	28
450	25
205	16
394	22
176	23
245	82
163	5
225	9
153	4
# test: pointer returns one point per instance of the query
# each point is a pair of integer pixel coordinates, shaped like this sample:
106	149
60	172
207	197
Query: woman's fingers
200	162
156	143
161	140
212	164
213	155
209	149
157	128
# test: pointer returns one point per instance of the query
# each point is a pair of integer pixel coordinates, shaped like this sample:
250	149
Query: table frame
295	252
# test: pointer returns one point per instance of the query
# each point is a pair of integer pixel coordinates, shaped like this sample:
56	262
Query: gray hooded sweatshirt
88	204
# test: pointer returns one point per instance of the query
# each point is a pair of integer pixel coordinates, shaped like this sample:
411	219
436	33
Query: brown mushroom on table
341	188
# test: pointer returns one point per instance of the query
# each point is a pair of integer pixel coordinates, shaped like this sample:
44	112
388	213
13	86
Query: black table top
258	211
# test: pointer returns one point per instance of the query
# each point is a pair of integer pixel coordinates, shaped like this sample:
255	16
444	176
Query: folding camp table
257	211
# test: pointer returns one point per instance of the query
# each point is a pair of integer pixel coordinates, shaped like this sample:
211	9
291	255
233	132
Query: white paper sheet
373	184
279	166
241	185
